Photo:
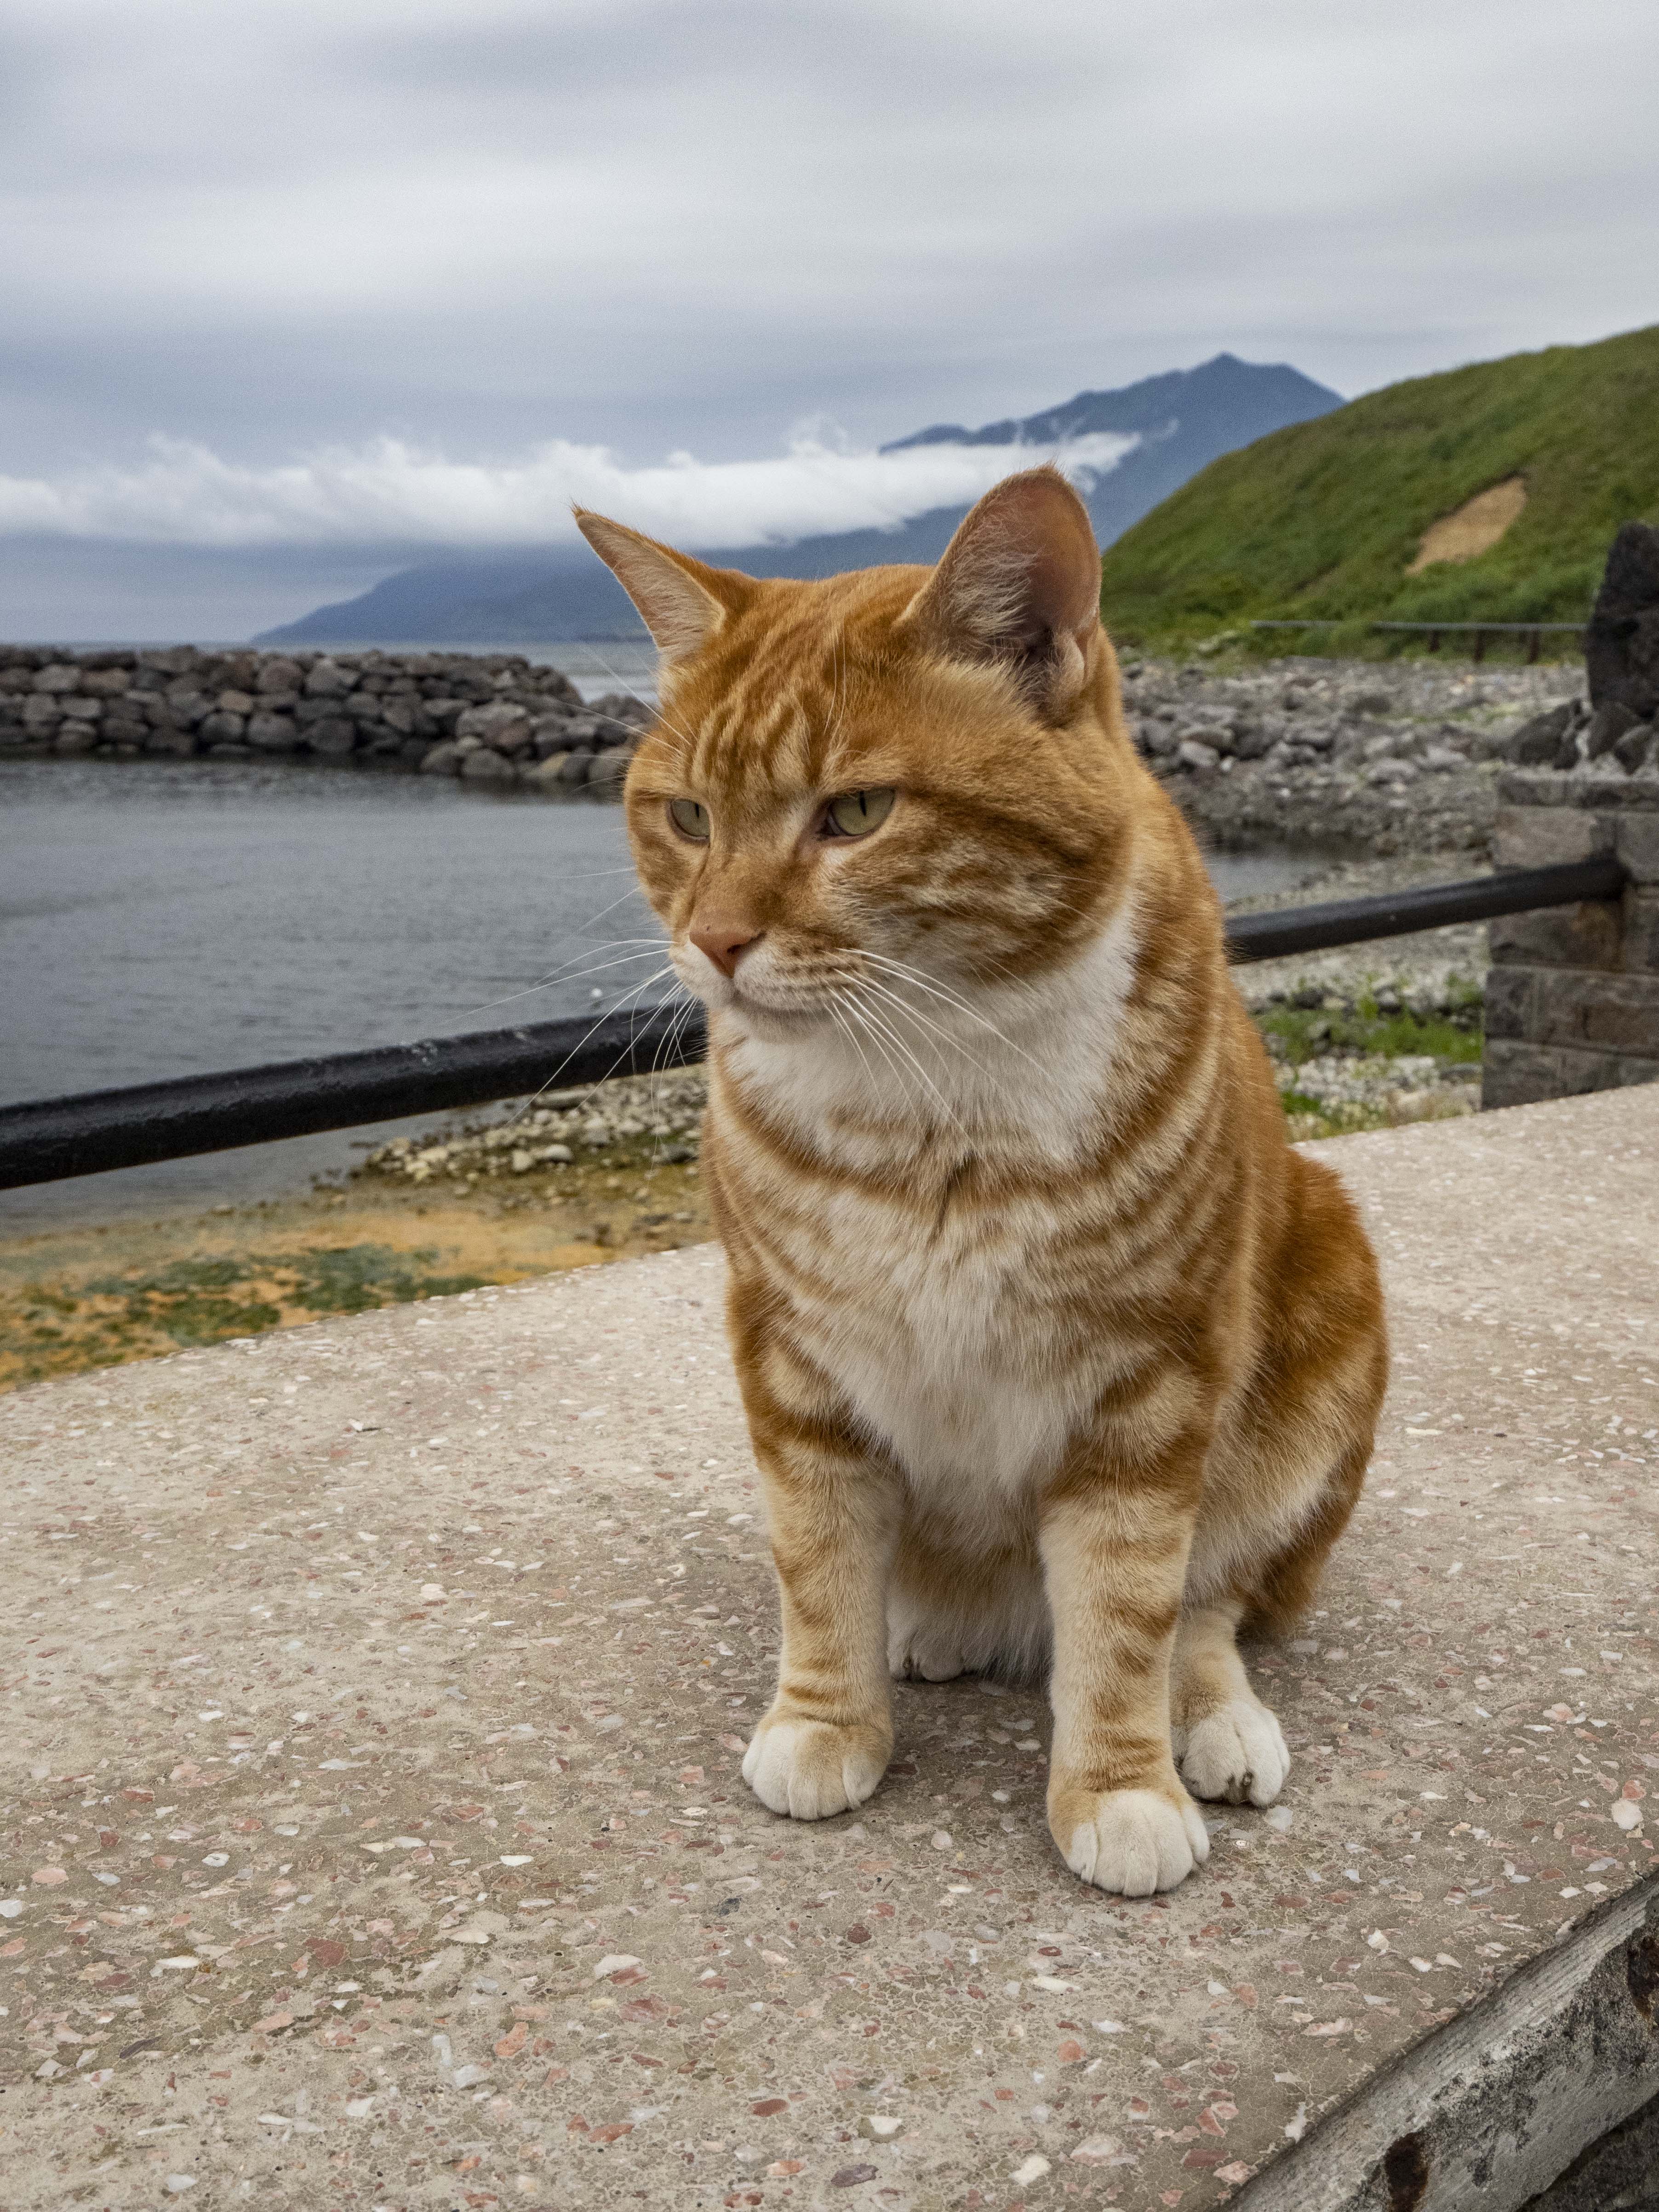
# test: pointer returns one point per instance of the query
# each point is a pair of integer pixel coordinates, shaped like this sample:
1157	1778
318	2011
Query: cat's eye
856	814
689	819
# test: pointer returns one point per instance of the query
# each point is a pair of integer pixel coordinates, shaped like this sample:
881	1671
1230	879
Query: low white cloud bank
183	494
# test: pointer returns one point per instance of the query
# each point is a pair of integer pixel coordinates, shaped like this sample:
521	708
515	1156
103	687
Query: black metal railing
50	1140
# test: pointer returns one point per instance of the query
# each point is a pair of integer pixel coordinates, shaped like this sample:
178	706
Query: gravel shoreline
1384	758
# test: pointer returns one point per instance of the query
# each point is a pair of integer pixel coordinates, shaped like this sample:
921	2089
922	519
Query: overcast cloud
183	494
392	270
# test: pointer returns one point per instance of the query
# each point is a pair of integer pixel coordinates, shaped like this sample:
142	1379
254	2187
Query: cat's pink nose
722	941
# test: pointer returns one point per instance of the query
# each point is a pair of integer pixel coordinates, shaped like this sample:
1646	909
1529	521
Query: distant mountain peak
1223	385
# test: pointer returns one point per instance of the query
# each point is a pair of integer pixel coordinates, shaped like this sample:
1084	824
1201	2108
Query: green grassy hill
1324	518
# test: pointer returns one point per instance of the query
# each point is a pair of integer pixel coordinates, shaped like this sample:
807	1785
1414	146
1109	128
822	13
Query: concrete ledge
377	1836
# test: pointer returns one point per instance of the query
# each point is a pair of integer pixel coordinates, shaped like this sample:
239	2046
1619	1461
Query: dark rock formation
1621	645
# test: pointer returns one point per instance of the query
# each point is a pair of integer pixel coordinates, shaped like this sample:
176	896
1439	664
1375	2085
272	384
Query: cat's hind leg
923	1645
1228	1746
950	1615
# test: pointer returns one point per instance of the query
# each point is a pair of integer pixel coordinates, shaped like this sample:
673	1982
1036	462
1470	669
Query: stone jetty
491	719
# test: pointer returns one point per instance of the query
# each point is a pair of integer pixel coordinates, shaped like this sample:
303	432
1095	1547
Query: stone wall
492	719
1572	993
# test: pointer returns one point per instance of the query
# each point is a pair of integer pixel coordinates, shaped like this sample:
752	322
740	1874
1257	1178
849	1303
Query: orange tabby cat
1053	1352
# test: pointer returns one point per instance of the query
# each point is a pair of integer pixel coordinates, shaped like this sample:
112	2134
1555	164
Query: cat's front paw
1129	1841
1236	1755
811	1769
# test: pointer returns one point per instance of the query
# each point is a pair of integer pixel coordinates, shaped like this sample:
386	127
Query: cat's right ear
683	603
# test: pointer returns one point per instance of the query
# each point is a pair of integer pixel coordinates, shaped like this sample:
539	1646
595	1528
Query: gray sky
380	275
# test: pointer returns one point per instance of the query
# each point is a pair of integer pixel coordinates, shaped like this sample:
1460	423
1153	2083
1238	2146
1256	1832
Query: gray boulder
487	766
1194	753
609	771
272	733
550	734
546	775
326	679
622	707
502	726
443	759
1536	743
333	736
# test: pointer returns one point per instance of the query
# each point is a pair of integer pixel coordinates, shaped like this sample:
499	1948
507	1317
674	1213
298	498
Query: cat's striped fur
1053	1354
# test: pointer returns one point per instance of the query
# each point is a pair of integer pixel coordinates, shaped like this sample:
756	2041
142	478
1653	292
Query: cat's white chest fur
934	1325
939	1349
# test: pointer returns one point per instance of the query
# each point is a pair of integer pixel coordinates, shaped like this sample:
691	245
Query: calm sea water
170	918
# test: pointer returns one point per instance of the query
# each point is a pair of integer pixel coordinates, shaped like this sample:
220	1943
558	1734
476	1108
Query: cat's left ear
683	602
1019	585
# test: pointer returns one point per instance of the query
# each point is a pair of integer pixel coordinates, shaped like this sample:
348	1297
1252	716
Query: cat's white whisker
838	1015
937	991
620	1007
863	1016
923	1021
899	1045
652	945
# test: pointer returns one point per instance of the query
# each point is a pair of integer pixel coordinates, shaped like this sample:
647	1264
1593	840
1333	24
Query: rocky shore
1383	758
495	719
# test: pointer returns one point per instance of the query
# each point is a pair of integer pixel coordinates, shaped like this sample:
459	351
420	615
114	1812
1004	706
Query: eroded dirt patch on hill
1474	528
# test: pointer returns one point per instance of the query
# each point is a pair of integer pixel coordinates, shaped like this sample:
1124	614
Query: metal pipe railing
50	1140
1533	632
1434	906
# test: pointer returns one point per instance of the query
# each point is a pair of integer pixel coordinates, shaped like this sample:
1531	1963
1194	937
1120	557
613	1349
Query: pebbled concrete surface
375	1692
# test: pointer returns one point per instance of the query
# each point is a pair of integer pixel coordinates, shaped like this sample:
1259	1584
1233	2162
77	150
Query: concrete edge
1494	2107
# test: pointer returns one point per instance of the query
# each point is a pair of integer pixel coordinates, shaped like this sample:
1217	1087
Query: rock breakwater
495	719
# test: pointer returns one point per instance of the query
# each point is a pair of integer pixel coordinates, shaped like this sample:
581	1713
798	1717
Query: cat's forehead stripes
773	705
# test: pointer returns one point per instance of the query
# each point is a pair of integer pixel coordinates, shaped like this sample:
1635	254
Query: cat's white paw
811	1769
1236	1755
1131	1841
